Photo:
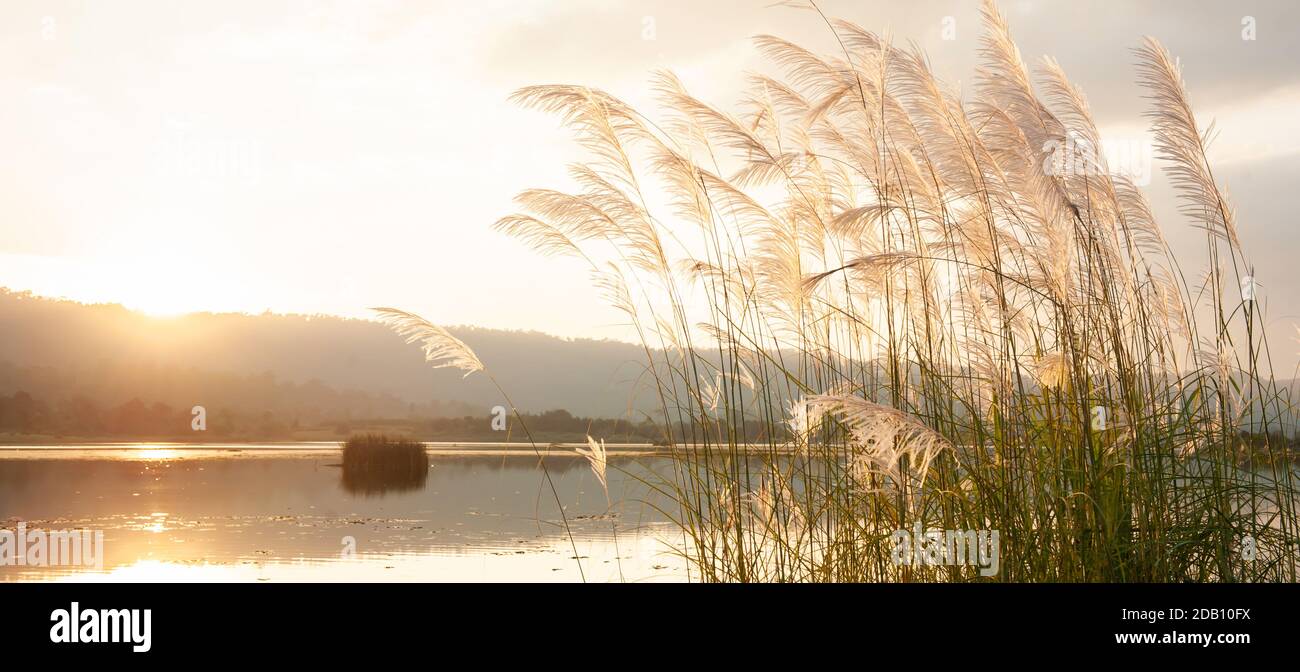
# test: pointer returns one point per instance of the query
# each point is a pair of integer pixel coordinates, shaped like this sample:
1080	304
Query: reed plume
867	303
598	459
441	349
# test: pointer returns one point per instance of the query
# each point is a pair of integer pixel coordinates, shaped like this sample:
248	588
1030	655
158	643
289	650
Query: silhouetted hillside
106	353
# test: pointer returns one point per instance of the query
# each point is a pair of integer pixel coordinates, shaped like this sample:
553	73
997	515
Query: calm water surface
287	513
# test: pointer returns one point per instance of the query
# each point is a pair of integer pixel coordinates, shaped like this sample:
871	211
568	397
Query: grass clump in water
378	463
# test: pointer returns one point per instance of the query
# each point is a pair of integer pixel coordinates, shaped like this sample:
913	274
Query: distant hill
268	372
51	347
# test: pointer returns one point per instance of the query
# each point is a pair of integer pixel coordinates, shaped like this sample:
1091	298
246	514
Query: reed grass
867	302
378	463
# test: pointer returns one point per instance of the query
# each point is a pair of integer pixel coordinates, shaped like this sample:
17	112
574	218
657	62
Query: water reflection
377	478
638	556
285	516
152	452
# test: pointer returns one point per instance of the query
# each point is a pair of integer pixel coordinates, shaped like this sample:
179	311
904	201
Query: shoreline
147	450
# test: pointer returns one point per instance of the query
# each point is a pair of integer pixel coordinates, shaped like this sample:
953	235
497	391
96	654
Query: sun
162	288
161	307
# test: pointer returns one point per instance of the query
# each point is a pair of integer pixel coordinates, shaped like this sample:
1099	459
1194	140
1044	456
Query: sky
324	156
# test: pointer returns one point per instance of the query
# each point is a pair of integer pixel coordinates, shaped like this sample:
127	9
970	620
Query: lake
286	512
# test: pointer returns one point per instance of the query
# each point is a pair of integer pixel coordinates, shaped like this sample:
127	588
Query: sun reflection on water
445	565
159	523
153	451
215	512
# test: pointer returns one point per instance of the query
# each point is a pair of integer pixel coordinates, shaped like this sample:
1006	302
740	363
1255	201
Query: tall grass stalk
868	302
443	350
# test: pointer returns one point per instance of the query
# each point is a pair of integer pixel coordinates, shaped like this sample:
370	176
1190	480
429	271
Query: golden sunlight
149	451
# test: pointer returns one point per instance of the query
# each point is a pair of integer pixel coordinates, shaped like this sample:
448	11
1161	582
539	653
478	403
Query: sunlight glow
154	452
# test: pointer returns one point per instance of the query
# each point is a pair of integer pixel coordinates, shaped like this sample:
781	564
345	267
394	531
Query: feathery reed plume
882	435
1181	143
1052	369
1007	339
597	457
800	419
441	349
